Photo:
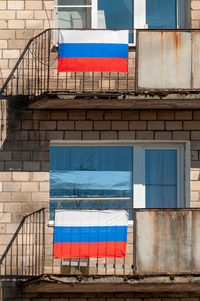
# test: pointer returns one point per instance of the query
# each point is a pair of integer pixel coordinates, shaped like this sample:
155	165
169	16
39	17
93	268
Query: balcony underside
116	101
108	284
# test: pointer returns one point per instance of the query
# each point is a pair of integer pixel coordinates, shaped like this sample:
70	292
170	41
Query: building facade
139	131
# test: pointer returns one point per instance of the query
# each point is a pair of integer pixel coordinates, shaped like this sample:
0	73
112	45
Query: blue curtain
161	14
161	178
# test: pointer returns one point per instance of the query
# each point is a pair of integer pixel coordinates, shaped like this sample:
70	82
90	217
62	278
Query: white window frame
56	6
140	14
139	20
139	147
139	194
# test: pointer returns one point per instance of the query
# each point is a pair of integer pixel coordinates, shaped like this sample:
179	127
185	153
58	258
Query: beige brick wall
24	158
195	13
21	20
20	193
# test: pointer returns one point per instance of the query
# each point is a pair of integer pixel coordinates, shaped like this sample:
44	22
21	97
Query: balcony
163	68
35	74
163	248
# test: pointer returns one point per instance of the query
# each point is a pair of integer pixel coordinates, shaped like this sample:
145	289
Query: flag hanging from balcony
93	50
90	233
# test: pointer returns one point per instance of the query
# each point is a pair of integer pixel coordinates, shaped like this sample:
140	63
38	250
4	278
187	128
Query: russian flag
90	233
93	50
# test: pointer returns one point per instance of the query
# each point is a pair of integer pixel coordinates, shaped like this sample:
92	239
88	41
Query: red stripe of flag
95	249
93	64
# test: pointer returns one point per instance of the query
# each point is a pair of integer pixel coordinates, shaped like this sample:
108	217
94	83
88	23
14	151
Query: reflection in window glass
161	14
161	178
74	17
116	14
74	2
98	177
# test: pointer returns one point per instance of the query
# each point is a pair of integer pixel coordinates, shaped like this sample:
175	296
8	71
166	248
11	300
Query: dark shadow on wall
24	147
10	291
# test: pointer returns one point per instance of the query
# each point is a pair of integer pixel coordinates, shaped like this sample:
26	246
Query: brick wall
21	193
20	20
102	297
24	158
195	13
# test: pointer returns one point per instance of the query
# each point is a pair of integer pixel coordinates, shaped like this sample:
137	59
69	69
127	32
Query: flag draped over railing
93	50
90	233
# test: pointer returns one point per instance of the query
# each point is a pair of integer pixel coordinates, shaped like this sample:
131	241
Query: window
112	14
73	13
162	14
125	175
159	176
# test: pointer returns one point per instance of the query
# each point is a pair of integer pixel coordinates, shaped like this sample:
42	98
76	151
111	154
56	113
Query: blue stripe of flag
93	50
90	234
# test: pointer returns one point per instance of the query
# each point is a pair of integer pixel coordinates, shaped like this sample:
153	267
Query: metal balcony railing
163	62
35	73
30	254
24	256
159	242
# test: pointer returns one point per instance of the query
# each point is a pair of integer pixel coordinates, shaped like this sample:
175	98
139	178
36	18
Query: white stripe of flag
93	218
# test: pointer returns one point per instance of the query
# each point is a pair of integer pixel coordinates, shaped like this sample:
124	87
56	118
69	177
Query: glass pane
74	2
98	177
115	14
161	196
161	14
161	178
74	17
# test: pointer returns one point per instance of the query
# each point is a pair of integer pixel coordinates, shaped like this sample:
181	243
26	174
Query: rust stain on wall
172	244
164	60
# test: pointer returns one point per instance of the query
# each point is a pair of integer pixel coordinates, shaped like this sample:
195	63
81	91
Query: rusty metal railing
35	73
24	256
